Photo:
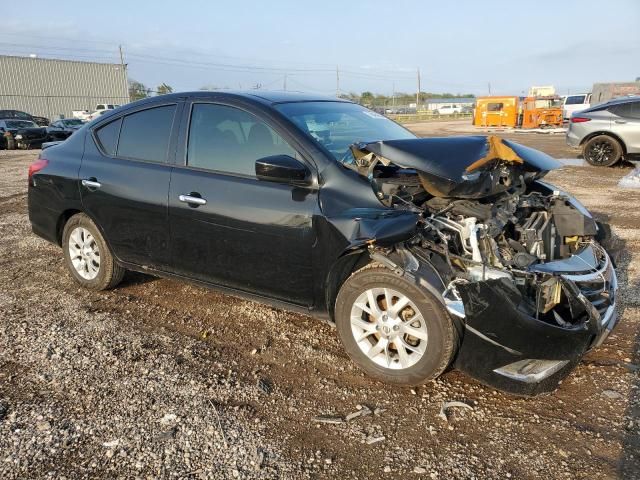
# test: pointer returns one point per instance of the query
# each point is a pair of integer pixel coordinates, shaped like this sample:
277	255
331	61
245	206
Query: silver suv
607	132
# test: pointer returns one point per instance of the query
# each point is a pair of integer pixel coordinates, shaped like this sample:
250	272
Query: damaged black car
425	253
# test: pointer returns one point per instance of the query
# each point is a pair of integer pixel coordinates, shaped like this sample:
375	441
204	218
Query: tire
81	240
11	143
602	151
431	354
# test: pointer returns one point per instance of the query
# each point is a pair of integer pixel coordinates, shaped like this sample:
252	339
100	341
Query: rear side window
626	110
230	140
108	136
145	135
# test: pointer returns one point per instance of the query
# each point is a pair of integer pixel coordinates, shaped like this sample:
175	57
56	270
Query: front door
124	183
228	227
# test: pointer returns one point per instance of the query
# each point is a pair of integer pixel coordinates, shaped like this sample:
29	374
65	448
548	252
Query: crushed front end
520	265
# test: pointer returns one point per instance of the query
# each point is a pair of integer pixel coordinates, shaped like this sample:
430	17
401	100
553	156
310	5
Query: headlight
18	137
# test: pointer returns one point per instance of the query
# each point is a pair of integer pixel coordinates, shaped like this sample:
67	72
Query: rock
387	469
168	418
265	385
112	443
419	470
612	394
447	405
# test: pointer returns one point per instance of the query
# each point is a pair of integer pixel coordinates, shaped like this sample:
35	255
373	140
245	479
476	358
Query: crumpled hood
455	166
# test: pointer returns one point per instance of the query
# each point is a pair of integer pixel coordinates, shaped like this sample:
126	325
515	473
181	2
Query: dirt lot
163	379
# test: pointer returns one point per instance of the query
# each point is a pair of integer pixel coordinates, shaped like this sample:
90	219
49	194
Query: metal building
51	88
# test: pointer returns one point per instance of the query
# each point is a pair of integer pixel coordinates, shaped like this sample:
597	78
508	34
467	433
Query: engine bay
496	221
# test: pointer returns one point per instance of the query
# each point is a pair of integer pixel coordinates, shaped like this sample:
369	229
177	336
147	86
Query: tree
366	98
137	90
163	89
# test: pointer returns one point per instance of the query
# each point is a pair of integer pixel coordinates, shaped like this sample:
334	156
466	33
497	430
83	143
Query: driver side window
230	140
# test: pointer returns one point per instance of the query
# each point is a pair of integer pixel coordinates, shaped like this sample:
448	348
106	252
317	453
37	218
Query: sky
458	46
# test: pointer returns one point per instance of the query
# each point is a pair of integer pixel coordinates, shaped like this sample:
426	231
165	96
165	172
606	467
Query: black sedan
425	253
18	115
62	129
21	134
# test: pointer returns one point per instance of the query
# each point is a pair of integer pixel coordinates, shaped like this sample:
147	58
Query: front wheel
395	331
87	255
602	151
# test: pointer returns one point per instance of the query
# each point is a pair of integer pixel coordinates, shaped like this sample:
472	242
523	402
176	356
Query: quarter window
108	136
230	140
145	135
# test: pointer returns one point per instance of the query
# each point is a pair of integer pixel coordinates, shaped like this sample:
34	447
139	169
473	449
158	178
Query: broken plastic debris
447	405
112	443
358	413
372	440
334	419
631	179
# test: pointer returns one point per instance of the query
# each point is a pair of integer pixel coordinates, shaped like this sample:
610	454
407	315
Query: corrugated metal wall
51	88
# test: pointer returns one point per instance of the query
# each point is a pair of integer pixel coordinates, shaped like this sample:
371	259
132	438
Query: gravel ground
161	379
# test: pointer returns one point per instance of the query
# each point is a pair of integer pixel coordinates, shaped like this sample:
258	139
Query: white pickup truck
574	103
100	109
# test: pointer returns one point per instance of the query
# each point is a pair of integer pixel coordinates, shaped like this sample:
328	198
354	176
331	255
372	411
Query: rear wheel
396	332
87	255
602	151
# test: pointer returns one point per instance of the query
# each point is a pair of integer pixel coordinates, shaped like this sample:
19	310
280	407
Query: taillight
37	166
580	119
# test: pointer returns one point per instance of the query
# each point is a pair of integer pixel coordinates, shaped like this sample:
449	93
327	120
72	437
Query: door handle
91	183
620	121
190	199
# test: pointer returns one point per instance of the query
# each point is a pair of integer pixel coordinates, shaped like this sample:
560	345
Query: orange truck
542	112
530	112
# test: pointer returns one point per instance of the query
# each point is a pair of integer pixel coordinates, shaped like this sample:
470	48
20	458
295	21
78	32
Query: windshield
337	125
20	124
72	122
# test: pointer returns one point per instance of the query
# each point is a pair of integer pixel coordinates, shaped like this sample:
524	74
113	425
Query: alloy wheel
388	328
601	152
84	253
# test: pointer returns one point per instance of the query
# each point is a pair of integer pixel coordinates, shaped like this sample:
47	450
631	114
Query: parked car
21	134
41	121
425	252
574	103
607	132
62	129
448	109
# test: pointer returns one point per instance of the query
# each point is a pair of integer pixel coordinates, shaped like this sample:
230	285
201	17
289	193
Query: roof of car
614	101
262	96
272	96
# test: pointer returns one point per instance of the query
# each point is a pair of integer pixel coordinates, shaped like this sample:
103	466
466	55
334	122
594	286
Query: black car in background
62	129
25	134
424	252
40	121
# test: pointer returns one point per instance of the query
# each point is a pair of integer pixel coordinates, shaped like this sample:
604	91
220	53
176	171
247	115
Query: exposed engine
499	235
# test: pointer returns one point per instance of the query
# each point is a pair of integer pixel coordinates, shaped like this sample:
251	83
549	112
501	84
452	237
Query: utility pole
285	82
393	95
337	82
418	92
489	85
124	72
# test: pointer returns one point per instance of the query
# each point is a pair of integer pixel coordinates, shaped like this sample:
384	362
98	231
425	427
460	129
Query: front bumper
508	348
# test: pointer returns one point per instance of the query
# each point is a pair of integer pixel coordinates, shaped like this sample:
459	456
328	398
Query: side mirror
283	169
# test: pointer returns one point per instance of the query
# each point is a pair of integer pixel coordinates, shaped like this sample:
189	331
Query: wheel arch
66	215
348	263
608	134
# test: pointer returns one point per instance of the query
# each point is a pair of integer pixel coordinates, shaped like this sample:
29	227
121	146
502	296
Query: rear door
626	124
124	182
243	233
